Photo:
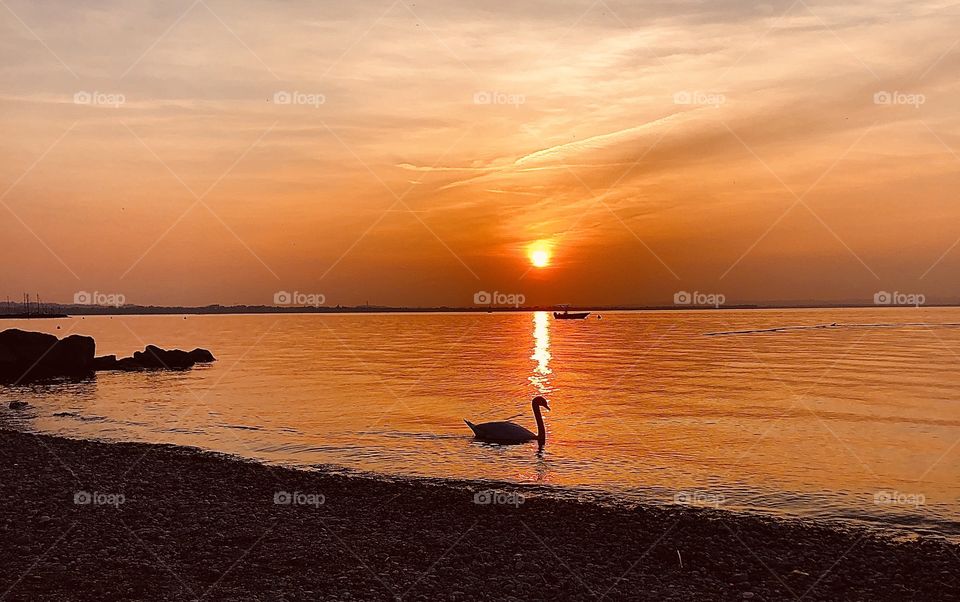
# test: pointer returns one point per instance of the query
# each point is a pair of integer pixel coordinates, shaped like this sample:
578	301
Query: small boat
568	315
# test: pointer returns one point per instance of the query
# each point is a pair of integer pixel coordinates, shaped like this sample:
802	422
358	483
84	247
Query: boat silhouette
566	314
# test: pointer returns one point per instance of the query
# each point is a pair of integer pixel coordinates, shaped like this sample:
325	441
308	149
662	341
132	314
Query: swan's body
508	432
501	431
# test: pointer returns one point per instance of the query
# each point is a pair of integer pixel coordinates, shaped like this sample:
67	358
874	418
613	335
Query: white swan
508	432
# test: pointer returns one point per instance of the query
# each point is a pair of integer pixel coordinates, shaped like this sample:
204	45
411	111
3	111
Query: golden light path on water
541	352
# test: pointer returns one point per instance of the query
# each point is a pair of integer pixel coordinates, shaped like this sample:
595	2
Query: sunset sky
745	148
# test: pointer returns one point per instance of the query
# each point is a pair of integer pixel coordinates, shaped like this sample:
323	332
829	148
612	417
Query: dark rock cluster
155	358
29	356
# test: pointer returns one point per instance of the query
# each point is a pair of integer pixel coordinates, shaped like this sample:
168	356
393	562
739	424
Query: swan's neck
541	432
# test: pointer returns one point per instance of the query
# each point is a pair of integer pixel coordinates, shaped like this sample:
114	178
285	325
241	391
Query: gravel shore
84	520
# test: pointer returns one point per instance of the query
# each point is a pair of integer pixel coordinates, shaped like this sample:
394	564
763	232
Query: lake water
855	422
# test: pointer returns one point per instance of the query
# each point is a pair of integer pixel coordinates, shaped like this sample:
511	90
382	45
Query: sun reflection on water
541	352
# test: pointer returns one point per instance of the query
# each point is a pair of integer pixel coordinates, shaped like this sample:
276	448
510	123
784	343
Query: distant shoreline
65	311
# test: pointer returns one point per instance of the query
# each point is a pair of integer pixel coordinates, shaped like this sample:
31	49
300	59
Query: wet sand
84	520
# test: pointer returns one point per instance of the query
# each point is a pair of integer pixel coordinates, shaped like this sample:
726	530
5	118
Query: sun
539	253
540	259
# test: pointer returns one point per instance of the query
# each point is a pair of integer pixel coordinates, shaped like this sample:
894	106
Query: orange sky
730	147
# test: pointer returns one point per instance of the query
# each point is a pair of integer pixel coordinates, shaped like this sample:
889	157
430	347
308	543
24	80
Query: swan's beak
546	407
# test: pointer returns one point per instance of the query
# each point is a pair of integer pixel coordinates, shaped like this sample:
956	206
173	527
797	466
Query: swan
508	432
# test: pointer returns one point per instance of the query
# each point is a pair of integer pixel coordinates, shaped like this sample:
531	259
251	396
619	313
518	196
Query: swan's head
541	402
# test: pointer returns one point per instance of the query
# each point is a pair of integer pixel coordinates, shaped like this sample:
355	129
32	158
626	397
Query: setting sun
539	254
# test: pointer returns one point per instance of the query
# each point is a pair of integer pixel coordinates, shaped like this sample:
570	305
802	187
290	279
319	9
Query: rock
202	356
19	405
26	356
155	357
75	352
127	364
33	355
105	362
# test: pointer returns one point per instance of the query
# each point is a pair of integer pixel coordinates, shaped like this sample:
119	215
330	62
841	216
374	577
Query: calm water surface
852	422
